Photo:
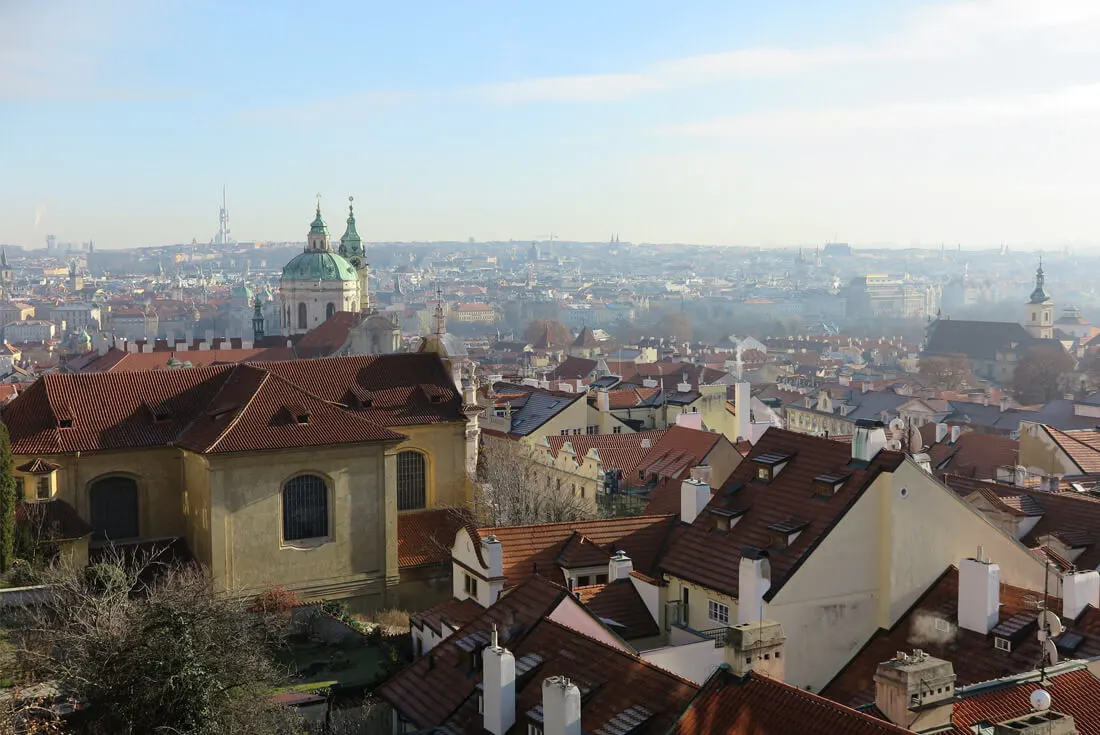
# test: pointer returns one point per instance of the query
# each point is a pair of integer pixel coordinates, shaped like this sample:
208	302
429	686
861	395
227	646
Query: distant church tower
1040	309
351	247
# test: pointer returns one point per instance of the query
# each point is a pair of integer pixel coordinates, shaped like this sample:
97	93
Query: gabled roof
1081	445
241	407
975	339
973	655
534	549
1074	691
617	451
620	607
712	559
974	454
573	368
755	704
538	408
426	536
116	360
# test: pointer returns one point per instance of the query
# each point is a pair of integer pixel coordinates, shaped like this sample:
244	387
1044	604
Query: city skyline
885	123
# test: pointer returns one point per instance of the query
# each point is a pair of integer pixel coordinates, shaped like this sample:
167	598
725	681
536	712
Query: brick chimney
694	496
498	687
561	707
756	647
916	691
979	593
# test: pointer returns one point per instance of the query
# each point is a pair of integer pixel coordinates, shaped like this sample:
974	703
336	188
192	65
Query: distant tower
440	325
1040	309
223	237
258	321
76	280
7	276
351	247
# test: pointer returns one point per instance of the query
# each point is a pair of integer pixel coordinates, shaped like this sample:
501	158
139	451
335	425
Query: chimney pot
979	594
619	567
561	707
498	688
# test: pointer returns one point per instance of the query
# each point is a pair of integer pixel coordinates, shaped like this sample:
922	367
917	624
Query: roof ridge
842	709
240	413
663	516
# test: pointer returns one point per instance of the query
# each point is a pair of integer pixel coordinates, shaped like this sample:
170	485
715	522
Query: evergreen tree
7	501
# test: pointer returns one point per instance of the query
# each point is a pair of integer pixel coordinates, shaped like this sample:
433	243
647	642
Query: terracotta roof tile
974	656
531	550
38	466
755	704
116	360
620	607
1074	693
426	536
452	613
1082	446
710	559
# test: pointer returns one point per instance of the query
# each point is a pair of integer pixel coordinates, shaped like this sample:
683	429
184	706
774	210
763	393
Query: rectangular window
617	430
601	579
565	432
42	487
471	586
718	612
583	581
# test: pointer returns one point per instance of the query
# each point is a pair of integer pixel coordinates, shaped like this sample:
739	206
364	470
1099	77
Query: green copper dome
242	291
319	266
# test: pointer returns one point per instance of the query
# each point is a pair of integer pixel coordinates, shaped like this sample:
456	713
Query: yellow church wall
196	507
444	448
354	561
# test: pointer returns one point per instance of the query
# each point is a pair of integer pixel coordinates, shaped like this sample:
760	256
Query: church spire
440	317
258	322
3	257
1039	295
318	232
351	245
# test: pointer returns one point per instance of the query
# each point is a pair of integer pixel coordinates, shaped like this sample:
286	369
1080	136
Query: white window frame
718	612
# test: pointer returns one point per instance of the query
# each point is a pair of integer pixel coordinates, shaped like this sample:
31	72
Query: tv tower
223	237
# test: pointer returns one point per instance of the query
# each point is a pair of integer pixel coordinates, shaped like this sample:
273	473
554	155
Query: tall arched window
411	481
330	310
305	508
114	506
302	316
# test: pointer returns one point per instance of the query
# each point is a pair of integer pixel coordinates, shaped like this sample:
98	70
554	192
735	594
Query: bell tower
351	247
318	233
1039	315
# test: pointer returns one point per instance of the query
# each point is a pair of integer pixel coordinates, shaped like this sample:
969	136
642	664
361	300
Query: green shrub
21	574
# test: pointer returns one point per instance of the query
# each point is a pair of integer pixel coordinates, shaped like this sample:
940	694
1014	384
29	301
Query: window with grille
42	487
305	508
718	612
411	482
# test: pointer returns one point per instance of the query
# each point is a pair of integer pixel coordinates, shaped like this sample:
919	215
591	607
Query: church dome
242	291
319	266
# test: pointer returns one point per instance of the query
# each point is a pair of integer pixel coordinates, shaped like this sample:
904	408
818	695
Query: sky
796	122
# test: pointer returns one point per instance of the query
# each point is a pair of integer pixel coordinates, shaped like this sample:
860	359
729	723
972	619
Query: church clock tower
1039	317
351	247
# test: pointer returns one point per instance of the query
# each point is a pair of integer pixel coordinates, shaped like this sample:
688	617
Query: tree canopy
1041	374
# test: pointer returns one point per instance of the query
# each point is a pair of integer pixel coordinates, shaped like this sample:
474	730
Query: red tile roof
1074	693
452	613
38	466
757	705
328	336
572	368
974	656
712	560
534	550
974	455
51	520
243	407
426	536
116	360
1082	446
620	607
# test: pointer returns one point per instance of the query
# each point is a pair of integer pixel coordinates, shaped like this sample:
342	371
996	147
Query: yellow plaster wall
573	417
247	513
698	610
444	447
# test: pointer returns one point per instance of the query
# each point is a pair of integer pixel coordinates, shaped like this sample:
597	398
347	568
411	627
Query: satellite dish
1050	625
1040	700
1050	653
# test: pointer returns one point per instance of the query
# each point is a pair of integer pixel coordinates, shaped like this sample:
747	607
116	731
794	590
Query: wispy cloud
940	31
1075	104
350	107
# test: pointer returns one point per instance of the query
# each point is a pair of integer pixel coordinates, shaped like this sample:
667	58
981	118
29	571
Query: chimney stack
619	567
756	647
742	406
603	401
956	431
1004	403
869	439
916	692
941	432
498	687
493	554
1079	590
979	594
694	496
754	580
561	707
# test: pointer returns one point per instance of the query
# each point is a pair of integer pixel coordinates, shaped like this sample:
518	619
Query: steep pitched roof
974	656
573	368
241	407
620	607
753	704
426	536
116	360
1082	446
617	451
974	454
977	340
534	550
712	560
1074	691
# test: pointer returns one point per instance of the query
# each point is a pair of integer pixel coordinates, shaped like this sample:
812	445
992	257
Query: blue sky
871	121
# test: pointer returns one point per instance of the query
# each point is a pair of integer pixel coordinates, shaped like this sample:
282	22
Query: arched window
330	310
302	316
411	481
114	505
305	508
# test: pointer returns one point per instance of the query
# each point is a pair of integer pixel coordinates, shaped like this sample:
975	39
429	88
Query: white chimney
649	383
1004	403
493	554
742	405
941	432
561	707
955	432
619	567
603	401
692	420
923	461
864	387
869	439
979	594
754	579
1079	590
498	687
694	496
683	387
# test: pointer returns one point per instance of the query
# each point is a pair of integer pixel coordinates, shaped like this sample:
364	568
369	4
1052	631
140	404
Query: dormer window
770	464
726	518
302	417
64	423
781	535
39	479
829	484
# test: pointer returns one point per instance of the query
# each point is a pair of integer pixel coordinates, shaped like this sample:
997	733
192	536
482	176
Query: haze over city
874	122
